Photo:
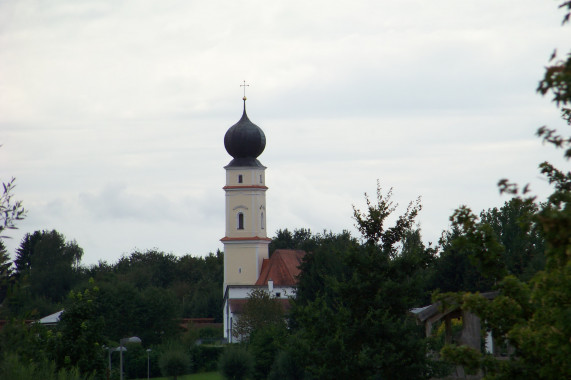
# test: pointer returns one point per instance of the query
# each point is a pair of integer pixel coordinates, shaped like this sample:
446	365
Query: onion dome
245	141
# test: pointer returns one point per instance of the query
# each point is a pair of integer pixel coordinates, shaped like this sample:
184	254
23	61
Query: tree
149	314
6	275
24	252
301	238
515	227
512	237
53	264
10	210
80	339
236	363
174	362
326	261
260	310
534	317
357	323
371	222
265	344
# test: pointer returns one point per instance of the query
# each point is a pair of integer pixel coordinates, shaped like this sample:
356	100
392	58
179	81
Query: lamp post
148	363
109	355
133	339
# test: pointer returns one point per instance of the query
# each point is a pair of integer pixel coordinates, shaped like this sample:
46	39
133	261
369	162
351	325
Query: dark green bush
205	358
236	363
174	362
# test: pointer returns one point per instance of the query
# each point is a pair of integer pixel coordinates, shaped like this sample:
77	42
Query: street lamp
109	351
122	342
148	363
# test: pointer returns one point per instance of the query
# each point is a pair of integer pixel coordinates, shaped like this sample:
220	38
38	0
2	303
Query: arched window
240	221
262	220
240	179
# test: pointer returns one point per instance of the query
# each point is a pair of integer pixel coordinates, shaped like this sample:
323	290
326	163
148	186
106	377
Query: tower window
261	178
262	220
240	179
240	221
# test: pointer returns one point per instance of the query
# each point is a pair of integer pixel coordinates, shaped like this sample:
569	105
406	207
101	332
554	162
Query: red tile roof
237	305
282	268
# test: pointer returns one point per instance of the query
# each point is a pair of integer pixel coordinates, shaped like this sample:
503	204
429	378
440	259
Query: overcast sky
113	113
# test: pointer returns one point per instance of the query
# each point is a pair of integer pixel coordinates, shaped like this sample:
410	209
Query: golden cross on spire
244	85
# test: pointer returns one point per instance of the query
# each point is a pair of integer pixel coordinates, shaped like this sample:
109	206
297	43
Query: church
247	264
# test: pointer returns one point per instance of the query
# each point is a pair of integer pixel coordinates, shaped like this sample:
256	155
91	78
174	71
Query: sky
113	113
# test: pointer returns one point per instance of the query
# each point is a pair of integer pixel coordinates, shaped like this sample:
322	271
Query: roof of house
435	311
237	305
51	319
282	268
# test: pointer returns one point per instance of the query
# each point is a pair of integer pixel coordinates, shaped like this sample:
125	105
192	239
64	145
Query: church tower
245	242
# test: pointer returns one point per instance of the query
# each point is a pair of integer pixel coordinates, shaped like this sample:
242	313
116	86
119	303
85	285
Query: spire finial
244	85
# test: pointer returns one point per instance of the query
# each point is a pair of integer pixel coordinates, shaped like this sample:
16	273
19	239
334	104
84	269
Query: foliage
304	239
79	339
149	314
286	367
10	210
371	222
236	363
204	357
534	317
264	345
356	322
476	254
48	263
260	310
24	252
174	362
6	273
515	227
27	341
14	369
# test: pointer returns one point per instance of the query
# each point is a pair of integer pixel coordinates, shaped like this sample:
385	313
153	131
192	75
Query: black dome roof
245	141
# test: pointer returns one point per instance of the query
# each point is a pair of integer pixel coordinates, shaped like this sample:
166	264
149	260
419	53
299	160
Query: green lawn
194	376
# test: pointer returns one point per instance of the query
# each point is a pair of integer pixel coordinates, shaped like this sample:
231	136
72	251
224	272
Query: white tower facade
245	241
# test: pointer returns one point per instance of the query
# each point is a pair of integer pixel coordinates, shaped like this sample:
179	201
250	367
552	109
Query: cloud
113	113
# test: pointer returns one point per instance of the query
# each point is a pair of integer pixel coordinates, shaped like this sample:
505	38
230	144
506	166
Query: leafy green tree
48	263
11	367
260	310
371	222
149	314
24	252
174	362
514	245
80	333
287	366
301	238
534	317
150	268
453	269
264	344
357	323
236	363
10	209
515	227
54	260
6	275
326	261
157	312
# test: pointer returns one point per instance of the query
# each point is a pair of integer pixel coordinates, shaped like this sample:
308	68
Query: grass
194	376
